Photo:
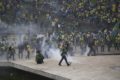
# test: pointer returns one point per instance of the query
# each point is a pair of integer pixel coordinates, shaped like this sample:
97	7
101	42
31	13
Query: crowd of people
105	38
66	42
92	11
41	11
10	51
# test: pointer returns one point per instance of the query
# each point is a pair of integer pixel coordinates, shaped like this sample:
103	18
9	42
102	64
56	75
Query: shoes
59	64
69	64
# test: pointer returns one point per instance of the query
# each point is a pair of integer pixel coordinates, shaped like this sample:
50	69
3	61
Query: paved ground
82	68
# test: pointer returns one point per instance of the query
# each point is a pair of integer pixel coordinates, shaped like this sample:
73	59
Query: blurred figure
64	53
96	45
20	51
28	51
82	45
117	42
108	42
91	45
39	57
11	53
102	45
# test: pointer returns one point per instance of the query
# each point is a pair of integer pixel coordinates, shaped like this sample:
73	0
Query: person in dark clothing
39	57
20	51
8	53
109	43
11	53
64	53
91	45
102	45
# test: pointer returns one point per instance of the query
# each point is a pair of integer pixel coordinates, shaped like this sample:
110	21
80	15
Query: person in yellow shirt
28	49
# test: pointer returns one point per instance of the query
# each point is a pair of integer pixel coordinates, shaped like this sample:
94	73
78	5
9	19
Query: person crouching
39	57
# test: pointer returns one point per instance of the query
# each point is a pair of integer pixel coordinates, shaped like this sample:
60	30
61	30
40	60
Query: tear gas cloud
48	50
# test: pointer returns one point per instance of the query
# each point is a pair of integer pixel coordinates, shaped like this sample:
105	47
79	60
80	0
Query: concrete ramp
82	68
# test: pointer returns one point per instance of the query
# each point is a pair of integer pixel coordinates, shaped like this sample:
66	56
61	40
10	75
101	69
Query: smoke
48	45
16	35
50	48
54	53
87	51
18	31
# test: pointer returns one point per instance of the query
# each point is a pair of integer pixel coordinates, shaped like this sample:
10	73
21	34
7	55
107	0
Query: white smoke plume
51	50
